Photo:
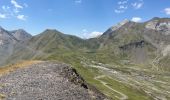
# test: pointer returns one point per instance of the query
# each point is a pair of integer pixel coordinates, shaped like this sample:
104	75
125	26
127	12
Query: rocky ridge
8	40
46	81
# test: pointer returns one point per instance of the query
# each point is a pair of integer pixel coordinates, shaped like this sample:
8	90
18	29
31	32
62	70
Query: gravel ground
42	81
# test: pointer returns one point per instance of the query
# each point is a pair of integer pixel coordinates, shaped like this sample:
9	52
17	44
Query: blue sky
84	18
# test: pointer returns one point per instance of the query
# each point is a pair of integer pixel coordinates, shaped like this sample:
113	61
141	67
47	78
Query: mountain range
8	40
136	42
127	43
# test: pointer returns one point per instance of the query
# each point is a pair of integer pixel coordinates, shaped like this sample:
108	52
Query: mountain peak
117	26
20	30
50	30
21	34
125	21
155	18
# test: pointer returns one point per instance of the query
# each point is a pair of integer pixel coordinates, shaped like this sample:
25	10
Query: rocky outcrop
162	25
138	44
46	81
7	42
74	77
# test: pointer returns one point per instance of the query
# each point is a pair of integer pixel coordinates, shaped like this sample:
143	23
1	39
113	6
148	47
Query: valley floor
129	82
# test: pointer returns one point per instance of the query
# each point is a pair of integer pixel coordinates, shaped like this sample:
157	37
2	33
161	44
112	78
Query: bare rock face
113	28
46	81
119	25
21	35
162	25
7	42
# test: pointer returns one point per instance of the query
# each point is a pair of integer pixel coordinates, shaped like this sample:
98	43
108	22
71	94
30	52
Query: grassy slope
10	68
88	74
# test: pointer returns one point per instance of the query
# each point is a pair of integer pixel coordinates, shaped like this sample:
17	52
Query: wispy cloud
2	16
5	8
15	4
78	1
13	10
123	2
124	5
21	17
137	5
167	11
136	19
119	11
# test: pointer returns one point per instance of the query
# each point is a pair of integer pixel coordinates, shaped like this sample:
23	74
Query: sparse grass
132	93
2	96
89	73
10	68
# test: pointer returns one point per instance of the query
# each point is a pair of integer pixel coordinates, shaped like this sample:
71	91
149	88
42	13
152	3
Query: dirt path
123	96
156	60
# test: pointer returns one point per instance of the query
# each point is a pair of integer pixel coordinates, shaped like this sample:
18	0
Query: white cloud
124	5
78	1
136	19
167	11
8	11
119	11
2	16
95	34
122	2
21	17
5	8
15	4
137	5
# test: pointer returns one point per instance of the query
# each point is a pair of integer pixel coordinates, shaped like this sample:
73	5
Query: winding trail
123	96
156	60
153	62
